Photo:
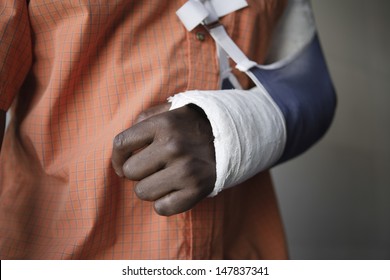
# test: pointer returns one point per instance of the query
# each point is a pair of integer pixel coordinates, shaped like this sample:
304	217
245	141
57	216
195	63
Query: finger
129	141
146	162
158	184
175	178
155	110
178	201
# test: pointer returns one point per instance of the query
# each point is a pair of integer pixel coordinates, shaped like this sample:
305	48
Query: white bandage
248	128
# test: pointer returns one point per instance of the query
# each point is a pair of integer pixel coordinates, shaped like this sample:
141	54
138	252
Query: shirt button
200	36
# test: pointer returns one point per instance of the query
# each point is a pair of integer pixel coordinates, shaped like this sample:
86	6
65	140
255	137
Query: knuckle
189	167
175	147
163	209
129	173
142	116
140	192
198	177
166	121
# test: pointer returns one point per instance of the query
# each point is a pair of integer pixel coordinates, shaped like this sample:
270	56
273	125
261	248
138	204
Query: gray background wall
335	199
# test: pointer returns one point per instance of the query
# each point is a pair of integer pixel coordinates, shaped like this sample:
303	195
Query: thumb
155	110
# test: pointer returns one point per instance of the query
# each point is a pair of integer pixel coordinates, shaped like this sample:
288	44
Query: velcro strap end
192	14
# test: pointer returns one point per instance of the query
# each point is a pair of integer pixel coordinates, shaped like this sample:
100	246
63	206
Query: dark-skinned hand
171	154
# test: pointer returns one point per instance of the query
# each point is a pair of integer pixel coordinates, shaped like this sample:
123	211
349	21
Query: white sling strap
207	13
225	72
195	12
243	63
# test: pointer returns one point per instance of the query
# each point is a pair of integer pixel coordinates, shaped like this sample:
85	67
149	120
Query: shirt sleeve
15	49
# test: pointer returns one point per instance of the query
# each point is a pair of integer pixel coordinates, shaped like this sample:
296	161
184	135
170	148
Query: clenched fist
171	154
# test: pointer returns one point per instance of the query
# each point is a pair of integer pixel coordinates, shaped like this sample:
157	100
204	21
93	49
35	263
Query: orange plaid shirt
77	73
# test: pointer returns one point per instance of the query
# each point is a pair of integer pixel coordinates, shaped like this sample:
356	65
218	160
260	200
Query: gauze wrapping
249	131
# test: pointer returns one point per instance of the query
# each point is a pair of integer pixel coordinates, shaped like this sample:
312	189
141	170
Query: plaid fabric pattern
77	73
